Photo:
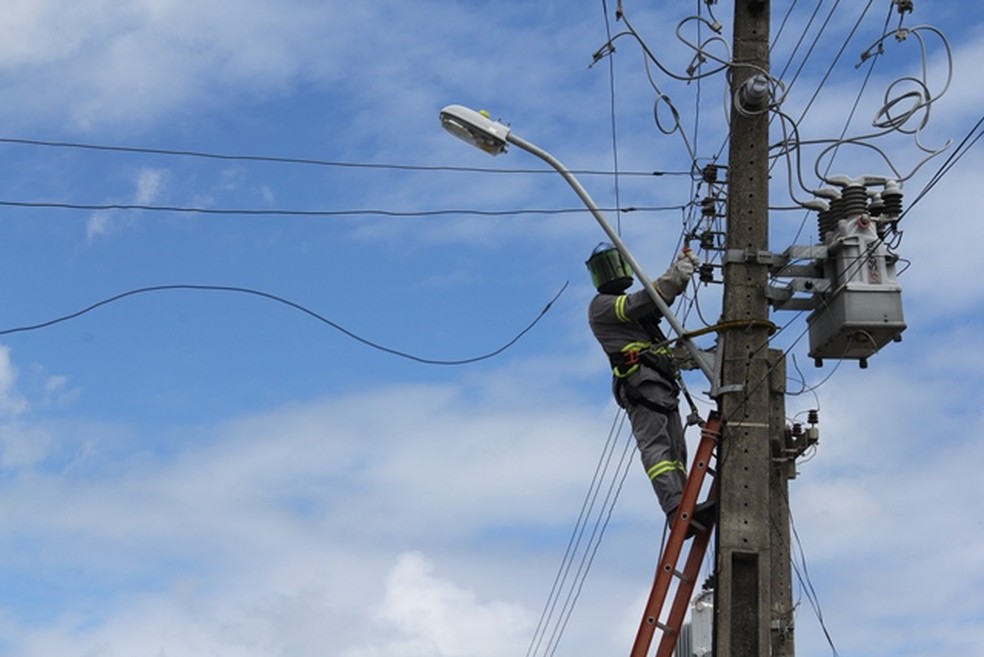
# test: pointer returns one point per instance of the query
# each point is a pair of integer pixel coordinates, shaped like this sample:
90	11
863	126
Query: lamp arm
647	284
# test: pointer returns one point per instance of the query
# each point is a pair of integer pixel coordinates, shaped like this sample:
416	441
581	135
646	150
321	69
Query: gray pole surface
743	607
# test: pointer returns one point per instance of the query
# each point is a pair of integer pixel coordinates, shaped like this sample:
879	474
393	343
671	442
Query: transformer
697	634
855	298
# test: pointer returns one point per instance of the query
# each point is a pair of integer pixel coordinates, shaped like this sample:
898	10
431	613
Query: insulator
707	240
855	200
892	198
797	430
837	208
826	222
877	206
710	173
706	272
755	94
708	206
813	416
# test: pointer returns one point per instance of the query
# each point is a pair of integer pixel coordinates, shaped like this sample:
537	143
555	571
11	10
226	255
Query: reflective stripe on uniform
663	467
620	308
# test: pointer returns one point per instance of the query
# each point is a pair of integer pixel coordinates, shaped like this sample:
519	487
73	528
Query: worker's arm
677	277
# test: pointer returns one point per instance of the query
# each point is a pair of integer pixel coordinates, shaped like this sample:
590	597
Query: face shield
607	267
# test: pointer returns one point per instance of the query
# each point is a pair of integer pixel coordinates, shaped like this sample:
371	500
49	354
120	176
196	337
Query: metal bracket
749	255
708	361
807	277
778	261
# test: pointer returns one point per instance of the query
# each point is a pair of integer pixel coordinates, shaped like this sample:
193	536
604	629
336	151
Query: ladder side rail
685	589
678	536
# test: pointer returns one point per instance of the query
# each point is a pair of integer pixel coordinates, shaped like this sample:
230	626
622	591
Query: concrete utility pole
745	557
783	469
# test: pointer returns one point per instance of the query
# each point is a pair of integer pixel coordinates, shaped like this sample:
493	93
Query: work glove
678	276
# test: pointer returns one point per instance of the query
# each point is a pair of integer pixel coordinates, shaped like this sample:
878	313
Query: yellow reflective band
632	351
619	374
620	308
663	467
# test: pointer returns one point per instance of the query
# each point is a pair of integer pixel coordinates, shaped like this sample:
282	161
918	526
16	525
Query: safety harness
654	354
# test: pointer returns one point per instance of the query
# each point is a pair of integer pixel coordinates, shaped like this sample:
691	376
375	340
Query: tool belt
640	354
637	354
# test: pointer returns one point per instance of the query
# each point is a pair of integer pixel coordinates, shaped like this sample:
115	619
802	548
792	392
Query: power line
296	306
604	472
965	144
125	207
275	159
836	59
613	120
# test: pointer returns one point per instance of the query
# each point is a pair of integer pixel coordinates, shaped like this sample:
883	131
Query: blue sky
204	472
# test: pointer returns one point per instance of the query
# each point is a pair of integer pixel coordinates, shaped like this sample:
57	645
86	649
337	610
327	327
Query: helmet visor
607	266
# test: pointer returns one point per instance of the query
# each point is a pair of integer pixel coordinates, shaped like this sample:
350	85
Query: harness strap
628	359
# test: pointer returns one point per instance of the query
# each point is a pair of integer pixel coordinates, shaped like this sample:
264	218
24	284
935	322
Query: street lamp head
476	128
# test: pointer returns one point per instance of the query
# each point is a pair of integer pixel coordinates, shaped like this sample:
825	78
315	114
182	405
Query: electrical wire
962	148
573	544
275	159
782	26
802	37
599	527
291	304
836	59
574	588
613	121
608	476
847	122
816	41
806	584
284	212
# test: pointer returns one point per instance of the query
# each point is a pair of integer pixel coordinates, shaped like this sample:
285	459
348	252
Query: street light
479	130
476	128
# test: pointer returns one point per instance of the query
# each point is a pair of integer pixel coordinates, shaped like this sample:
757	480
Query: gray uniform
644	384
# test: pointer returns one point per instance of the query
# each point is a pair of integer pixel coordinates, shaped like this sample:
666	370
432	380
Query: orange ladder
709	435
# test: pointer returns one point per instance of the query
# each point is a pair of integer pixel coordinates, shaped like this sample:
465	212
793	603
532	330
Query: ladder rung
666	629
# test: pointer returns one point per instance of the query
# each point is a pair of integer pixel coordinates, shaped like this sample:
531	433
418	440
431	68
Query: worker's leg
659	436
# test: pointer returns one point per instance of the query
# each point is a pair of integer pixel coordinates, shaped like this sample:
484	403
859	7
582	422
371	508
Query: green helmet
609	272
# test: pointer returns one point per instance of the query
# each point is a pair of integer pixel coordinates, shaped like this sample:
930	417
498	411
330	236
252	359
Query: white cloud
137	61
295	505
12	402
148	184
424	616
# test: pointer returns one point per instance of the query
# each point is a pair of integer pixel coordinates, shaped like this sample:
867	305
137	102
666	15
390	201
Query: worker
645	378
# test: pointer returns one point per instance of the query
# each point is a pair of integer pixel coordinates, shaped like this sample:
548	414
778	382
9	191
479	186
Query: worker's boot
705	514
703	517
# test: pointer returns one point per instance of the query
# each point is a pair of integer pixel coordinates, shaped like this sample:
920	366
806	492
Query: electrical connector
904	6
754	95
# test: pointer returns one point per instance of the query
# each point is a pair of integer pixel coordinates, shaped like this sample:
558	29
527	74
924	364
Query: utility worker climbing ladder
645	382
645	378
